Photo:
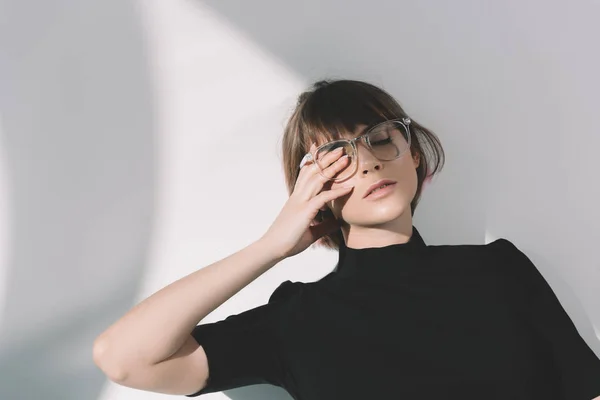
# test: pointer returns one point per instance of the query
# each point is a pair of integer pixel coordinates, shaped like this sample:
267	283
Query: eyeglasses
387	141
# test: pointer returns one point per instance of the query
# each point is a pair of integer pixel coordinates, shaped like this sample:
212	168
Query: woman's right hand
292	232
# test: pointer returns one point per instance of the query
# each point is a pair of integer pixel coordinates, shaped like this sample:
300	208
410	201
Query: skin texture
381	222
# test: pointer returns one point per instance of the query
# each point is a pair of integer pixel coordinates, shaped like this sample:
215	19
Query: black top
409	321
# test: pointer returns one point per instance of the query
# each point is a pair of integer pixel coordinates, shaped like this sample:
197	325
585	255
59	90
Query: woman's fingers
310	181
328	195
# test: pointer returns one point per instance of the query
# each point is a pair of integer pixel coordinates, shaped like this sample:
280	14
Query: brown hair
334	107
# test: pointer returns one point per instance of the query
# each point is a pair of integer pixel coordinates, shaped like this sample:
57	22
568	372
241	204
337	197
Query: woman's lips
379	193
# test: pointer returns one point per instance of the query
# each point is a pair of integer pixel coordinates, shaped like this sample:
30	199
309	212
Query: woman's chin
376	216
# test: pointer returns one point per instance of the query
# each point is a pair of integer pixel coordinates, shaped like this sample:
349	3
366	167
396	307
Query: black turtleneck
373	261
409	321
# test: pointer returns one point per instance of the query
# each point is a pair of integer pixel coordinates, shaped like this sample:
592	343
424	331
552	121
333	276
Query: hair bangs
336	113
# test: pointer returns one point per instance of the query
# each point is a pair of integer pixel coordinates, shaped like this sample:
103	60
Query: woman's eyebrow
365	129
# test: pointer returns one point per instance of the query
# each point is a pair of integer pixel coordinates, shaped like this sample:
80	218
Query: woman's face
356	210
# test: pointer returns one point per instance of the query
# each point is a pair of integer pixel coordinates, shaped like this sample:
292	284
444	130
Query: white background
140	141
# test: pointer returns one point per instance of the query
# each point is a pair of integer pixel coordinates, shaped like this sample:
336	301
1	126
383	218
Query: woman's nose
367	162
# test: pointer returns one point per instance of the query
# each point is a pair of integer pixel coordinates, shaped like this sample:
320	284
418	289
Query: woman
395	318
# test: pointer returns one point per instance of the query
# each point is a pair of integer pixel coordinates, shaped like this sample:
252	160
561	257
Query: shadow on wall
77	116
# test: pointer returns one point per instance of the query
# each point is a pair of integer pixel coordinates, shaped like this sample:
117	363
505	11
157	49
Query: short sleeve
244	349
574	361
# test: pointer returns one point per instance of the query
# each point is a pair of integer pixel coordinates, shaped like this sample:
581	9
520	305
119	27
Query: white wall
121	123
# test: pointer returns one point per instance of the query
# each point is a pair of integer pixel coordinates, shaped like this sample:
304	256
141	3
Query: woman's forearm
158	326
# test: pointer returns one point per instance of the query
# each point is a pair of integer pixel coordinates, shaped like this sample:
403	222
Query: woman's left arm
576	364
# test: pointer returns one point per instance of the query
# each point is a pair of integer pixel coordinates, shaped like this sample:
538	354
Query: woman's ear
417	160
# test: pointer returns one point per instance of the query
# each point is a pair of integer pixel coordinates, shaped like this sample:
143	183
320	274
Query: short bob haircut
331	109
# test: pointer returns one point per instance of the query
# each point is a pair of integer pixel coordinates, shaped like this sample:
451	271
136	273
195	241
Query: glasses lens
325	159
389	140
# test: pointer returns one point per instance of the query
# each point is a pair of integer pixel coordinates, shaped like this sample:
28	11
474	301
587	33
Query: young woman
397	318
